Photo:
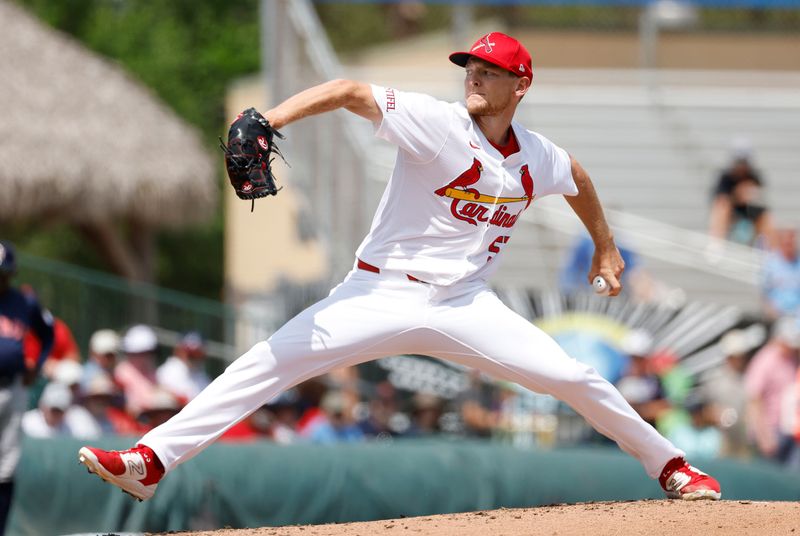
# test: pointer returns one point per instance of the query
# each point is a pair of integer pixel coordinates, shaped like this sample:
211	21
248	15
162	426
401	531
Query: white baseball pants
370	316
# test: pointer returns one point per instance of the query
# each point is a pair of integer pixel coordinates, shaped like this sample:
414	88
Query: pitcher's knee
574	376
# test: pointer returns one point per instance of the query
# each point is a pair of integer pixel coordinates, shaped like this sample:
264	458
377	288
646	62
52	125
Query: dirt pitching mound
639	518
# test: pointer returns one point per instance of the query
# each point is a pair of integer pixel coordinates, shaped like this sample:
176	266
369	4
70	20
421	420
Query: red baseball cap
501	50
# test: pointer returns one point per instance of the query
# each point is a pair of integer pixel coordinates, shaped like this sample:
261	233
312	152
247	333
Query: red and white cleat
682	481
135	471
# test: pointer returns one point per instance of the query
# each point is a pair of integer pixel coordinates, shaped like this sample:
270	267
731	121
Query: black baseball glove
248	155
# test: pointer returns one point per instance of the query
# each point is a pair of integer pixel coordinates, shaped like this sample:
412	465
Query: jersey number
494	247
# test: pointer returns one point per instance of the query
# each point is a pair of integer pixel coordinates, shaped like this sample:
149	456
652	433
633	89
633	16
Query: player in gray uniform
19	313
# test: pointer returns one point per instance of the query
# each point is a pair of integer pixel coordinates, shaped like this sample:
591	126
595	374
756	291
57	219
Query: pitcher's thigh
486	334
356	322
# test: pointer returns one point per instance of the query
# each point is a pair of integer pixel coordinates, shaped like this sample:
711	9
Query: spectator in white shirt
104	346
183	374
48	420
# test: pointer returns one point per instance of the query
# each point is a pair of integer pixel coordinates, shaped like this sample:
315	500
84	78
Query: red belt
375	270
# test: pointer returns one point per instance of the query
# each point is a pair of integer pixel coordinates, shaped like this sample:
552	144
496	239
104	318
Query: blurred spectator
636	280
64	348
183	374
160	407
383	418
789	443
103	349
478	406
77	418
337	424
640	385
309	399
781	277
723	387
741	156
771	371
427	410
257	425
284	420
737	210
275	421
574	273
136	374
699	437
347	381
69	373
48	420
19	314
98	399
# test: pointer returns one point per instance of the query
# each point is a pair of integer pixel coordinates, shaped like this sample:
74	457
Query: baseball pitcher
464	174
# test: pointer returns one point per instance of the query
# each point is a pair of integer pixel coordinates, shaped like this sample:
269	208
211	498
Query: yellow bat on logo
482	198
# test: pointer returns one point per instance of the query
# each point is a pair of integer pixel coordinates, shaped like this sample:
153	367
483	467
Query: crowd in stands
119	389
747	406
123	388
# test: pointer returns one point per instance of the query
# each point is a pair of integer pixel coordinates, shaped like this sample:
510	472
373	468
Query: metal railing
87	300
326	152
667	243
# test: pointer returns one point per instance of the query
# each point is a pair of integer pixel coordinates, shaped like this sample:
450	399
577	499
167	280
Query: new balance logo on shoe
136	467
682	481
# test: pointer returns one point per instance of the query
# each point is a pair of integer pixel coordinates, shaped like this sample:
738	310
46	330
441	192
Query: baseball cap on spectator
161	400
741	148
638	343
56	396
695	402
285	399
501	50
8	260
333	403
734	342
104	341
192	341
68	372
100	385
139	339
787	330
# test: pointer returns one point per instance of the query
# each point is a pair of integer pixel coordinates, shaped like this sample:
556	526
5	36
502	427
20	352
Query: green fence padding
262	484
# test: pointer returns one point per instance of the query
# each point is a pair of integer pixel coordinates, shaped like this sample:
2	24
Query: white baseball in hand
601	286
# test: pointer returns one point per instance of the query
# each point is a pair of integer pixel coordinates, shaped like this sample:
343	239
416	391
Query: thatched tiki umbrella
82	142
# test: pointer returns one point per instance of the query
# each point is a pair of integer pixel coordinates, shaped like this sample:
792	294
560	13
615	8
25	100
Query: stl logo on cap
485	43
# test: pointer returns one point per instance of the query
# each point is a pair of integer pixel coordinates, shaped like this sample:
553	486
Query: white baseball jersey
453	199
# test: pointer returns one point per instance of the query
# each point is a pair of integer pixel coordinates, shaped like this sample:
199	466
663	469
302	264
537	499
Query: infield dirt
636	518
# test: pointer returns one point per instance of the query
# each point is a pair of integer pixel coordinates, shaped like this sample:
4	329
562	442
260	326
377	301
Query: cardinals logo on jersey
471	206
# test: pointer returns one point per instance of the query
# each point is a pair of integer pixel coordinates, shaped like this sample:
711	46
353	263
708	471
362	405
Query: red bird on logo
468	178
527	184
